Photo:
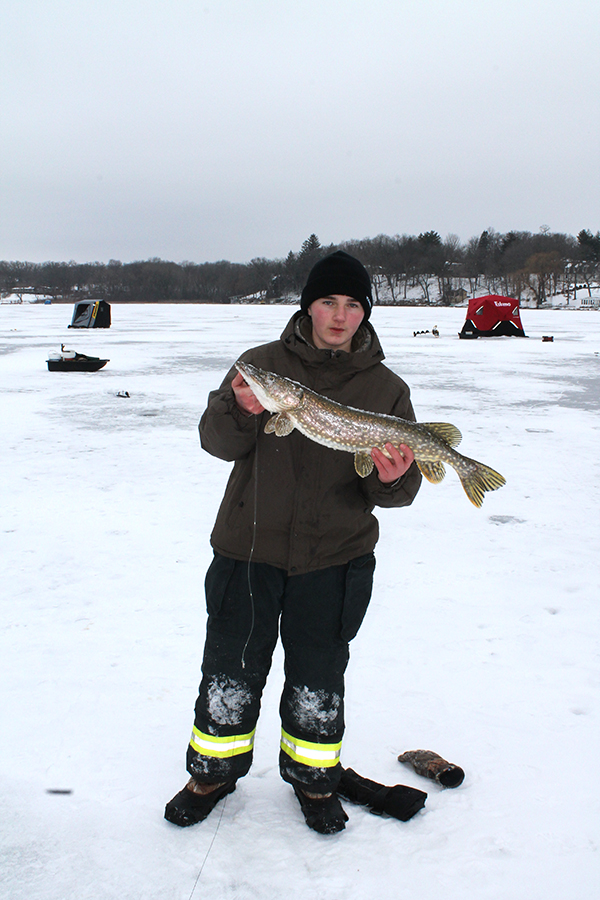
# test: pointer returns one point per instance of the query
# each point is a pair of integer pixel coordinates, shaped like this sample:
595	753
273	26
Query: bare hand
390	470
245	398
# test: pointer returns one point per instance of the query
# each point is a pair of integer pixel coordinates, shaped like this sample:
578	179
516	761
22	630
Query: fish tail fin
480	480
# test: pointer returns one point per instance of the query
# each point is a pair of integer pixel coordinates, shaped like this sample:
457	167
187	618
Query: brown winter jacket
312	509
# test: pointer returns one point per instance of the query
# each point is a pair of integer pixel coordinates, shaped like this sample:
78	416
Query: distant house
457	295
592	302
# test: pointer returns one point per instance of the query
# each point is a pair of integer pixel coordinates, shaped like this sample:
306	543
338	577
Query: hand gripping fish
358	431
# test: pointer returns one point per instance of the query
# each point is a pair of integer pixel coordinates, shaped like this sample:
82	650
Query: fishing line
252	615
223	805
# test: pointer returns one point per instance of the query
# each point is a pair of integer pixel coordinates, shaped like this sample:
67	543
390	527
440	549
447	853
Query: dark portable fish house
91	314
492	316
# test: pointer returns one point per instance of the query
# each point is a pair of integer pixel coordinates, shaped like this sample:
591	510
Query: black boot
323	813
188	807
398	801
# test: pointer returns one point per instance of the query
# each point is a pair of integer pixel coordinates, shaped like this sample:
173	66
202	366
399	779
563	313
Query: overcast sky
193	130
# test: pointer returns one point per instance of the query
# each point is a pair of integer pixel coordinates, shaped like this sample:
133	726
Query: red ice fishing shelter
491	316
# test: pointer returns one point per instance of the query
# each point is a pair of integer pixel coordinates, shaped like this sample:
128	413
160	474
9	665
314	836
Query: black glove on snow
398	801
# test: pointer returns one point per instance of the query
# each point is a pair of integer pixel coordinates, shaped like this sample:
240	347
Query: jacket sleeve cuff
401	492
226	405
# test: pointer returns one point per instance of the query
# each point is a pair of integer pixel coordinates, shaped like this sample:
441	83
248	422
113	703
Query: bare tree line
404	268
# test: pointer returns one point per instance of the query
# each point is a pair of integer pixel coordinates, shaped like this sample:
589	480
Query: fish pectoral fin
432	471
363	463
279	424
448	433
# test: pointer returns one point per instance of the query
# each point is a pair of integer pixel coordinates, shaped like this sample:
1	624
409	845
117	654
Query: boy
293	543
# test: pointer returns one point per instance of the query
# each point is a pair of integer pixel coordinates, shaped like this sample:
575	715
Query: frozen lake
481	641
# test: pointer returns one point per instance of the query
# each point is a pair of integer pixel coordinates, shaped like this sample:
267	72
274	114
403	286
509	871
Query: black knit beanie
338	273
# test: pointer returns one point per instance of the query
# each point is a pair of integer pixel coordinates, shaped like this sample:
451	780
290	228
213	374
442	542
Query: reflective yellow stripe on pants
309	754
209	745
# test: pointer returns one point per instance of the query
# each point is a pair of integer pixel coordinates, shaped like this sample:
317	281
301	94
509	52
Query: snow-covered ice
480	643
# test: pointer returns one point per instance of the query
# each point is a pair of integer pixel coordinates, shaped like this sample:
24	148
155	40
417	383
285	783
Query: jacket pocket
217	581
359	586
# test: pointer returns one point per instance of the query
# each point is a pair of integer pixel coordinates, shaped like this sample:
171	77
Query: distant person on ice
293	552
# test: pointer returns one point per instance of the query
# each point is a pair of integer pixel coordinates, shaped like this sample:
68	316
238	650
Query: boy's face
335	321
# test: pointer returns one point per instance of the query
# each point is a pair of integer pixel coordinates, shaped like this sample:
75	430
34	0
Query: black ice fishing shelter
91	314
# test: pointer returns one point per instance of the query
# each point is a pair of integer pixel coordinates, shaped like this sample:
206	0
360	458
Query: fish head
275	392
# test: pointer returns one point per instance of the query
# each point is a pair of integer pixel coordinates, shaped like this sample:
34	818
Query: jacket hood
366	348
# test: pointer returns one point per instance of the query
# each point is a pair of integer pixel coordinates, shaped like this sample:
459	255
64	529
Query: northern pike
357	431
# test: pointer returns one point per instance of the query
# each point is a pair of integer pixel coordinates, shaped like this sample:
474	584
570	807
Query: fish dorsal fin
448	433
433	471
279	424
363	463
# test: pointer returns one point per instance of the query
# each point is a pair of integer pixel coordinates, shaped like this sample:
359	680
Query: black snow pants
317	613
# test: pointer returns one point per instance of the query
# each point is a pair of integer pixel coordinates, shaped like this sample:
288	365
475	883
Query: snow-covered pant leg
234	667
322	612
